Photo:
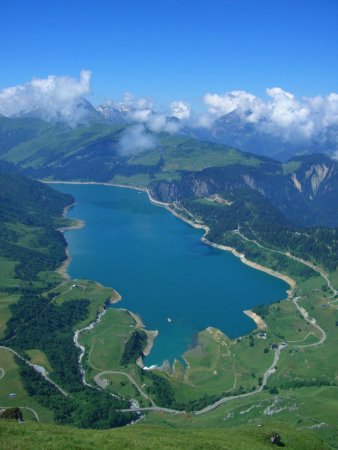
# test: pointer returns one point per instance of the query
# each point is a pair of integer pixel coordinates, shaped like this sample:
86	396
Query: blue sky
171	49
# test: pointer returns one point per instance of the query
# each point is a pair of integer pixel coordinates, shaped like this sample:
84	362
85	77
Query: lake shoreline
77	225
151	335
290	281
260	323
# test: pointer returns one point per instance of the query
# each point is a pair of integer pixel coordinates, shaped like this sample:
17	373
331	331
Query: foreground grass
314	408
34	436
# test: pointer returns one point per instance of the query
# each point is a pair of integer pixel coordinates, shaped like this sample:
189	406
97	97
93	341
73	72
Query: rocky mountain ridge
305	189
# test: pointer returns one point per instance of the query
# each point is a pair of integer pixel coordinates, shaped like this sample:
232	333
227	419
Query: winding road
130	378
266	374
219	402
317	269
271	369
312	322
43	373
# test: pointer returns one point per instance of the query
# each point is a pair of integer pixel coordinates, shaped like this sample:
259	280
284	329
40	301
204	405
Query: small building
134	404
274	346
262	335
12	395
40	369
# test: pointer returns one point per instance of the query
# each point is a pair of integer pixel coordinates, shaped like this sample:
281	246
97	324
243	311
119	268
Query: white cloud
144	103
161	123
180	109
140	115
287	116
282	115
141	110
53	97
243	103
135	139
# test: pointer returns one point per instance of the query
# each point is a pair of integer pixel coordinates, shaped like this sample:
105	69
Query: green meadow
300	400
151	437
10	383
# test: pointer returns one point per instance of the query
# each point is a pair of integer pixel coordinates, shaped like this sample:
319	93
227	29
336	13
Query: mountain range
304	189
229	129
280	215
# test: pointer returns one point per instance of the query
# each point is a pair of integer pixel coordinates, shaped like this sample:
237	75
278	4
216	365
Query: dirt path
304	338
73	286
312	322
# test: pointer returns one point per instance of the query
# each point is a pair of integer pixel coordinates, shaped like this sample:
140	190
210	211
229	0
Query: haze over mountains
280	126
49	130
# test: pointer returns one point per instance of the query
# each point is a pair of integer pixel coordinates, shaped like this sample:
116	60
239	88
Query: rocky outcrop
307	197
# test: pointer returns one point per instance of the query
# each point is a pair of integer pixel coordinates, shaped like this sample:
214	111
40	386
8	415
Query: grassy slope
303	409
11	382
181	153
50	143
213	364
247	358
25	216
30	212
7	279
78	289
215	360
48	149
151	437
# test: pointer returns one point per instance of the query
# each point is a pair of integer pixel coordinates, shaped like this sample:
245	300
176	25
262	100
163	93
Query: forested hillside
29	213
30	250
251	214
304	190
239	197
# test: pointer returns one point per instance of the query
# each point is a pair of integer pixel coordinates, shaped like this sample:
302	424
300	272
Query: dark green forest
134	347
38	323
257	219
30	208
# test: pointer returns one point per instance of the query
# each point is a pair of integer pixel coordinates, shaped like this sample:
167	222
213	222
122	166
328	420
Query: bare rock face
200	188
308	196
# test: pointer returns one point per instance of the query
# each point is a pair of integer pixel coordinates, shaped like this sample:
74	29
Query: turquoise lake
162	269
